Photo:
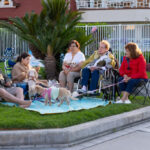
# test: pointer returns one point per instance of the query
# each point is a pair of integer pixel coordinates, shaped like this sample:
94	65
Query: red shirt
135	68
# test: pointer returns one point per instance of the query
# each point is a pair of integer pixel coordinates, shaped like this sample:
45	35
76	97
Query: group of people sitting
132	70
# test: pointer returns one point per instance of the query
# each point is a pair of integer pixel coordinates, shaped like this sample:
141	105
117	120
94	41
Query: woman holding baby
21	69
71	65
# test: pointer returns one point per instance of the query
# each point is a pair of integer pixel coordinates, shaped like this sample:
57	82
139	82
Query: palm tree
49	32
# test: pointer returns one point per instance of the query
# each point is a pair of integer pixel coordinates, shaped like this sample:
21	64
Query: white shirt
78	58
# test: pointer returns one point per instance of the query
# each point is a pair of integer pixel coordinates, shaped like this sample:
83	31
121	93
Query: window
6	3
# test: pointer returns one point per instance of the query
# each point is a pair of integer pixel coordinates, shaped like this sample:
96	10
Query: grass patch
18	118
148	73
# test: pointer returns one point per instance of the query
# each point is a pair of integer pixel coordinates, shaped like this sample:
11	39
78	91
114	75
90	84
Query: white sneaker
120	101
127	101
82	91
91	92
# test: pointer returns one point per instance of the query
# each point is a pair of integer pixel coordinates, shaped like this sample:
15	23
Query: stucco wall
122	15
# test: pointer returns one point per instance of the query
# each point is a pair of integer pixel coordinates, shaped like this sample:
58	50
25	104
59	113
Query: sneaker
91	92
120	101
81	91
127	101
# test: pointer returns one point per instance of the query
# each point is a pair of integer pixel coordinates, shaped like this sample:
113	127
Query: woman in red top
132	70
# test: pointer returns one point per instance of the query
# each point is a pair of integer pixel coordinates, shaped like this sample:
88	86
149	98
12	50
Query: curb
65	137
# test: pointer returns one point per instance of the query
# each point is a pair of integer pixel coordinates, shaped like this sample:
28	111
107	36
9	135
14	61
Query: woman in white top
71	65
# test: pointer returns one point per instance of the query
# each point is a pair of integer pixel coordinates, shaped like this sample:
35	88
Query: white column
91	3
104	3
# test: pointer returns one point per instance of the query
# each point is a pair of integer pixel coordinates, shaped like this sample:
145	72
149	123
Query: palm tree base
50	67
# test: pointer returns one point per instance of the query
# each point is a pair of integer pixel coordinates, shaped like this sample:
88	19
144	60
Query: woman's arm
77	68
18	73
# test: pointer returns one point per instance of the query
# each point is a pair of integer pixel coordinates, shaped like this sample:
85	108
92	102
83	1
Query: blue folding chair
8	68
8	54
8	64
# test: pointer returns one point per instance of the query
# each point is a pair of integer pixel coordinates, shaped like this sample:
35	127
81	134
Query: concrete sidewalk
70	136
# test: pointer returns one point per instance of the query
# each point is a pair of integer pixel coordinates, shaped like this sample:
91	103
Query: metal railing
11	40
118	36
102	4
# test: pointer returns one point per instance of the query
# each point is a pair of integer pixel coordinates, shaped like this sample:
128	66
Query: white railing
11	40
118	36
106	4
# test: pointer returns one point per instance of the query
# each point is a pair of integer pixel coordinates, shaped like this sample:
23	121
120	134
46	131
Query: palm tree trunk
50	64
50	67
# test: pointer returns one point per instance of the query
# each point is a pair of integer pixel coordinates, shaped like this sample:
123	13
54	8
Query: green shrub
42	73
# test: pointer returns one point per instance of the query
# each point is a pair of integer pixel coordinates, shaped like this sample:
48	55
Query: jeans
128	87
92	76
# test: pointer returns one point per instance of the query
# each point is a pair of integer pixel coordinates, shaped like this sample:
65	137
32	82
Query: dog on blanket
54	93
32	78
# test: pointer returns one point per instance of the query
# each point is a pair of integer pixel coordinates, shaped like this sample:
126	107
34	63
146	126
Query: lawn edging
64	137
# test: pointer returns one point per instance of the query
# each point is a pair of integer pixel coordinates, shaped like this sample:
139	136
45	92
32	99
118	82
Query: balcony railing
106	4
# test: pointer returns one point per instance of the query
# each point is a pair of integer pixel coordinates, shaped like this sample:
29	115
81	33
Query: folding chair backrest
8	67
9	52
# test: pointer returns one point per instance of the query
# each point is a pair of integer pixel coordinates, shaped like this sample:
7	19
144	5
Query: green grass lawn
18	118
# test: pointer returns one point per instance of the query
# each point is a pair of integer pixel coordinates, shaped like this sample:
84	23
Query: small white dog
54	93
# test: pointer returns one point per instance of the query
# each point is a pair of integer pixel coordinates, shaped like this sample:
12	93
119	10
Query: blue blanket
84	103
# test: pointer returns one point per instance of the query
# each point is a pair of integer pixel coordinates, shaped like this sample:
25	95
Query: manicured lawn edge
18	118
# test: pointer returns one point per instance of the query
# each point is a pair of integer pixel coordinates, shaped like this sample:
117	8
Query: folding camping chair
8	54
8	65
110	77
141	92
108	85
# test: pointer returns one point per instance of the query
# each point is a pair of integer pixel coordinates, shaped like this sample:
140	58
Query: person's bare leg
44	82
10	98
62	84
70	86
125	96
19	93
62	79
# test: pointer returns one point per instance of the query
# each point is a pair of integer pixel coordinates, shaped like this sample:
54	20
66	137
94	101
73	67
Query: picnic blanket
75	105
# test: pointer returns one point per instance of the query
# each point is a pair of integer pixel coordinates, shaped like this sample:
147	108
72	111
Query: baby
32	78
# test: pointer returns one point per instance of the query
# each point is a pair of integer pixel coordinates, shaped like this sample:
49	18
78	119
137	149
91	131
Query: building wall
73	5
118	15
24	6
